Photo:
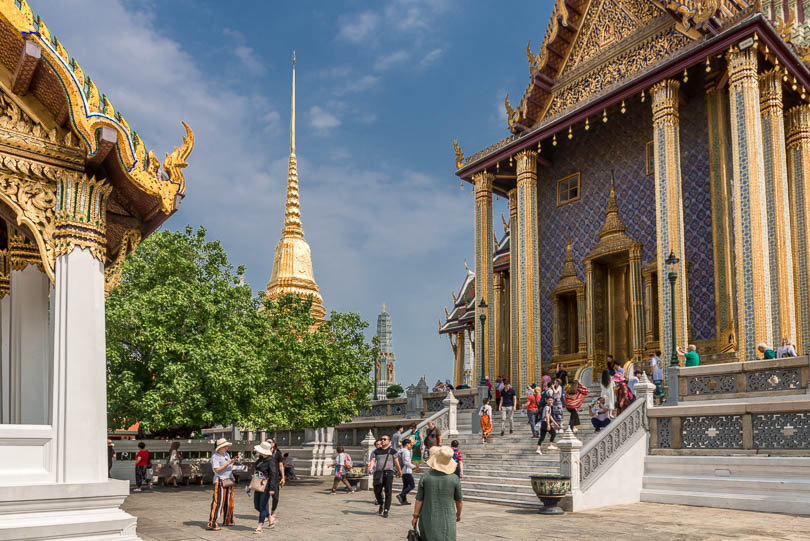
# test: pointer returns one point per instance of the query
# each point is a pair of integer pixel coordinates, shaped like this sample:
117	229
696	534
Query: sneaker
552	447
406	502
380	510
385	514
136	490
400	499
539	452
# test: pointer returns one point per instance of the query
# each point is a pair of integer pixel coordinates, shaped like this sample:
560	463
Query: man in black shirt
384	462
507	405
562	375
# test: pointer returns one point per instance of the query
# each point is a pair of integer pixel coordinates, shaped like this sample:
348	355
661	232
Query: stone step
770	503
737	485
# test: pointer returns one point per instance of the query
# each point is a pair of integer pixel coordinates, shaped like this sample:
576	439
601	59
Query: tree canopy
394	391
190	347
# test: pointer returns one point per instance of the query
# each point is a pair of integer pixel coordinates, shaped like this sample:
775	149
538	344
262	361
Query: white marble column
5	357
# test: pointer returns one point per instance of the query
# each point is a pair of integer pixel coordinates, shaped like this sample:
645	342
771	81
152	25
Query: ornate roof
569	281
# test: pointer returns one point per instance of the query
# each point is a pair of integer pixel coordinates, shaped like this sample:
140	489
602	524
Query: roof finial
292	213
292	115
383	307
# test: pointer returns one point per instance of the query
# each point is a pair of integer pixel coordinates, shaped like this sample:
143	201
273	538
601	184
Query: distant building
384	370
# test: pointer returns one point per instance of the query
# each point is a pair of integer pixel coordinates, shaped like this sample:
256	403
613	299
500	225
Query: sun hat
441	459
222	442
264	448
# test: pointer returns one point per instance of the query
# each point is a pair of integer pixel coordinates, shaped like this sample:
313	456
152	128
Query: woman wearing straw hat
221	464
438	490
266	468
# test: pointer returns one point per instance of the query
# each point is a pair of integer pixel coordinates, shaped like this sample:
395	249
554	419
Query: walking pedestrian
110	457
417	442
264	469
142	462
222	501
489	386
486	420
557	408
343	462
574	397
606	390
507	406
408	467
438	496
395	437
384	463
432	437
459	458
174	463
547	426
657	370
280	479
533	408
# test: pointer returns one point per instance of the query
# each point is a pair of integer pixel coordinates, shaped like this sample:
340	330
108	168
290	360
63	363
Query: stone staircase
499	471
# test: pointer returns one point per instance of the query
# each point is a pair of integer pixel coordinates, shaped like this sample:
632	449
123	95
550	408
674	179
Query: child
547	426
631	383
486	421
458	458
142	462
600	414
574	397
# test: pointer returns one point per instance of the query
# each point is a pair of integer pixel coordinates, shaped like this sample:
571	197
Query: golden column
528	278
514	298
798	160
484	248
497	312
669	215
751	250
717	116
783	316
637	300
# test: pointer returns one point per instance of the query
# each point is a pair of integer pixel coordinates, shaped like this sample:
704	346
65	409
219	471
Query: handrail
599	452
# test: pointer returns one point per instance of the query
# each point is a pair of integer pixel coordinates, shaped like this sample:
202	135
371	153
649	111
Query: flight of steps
499	471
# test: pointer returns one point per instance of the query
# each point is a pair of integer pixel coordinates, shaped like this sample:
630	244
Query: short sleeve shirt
691	358
142	458
217	461
395	440
384	459
508	397
657	366
432	437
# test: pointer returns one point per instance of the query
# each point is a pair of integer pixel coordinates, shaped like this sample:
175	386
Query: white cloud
246	55
431	57
387	61
414	15
358	28
358	84
322	121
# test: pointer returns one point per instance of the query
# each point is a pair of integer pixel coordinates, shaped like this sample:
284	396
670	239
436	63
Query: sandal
258	530
214	528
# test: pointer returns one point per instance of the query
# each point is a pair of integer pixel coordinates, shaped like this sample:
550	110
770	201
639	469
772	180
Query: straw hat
222	442
264	448
441	459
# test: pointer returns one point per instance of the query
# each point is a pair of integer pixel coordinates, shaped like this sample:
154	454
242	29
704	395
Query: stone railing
467	400
788	375
390	407
763	426
427	403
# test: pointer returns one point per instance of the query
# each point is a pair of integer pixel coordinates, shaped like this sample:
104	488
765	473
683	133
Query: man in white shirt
408	468
657	369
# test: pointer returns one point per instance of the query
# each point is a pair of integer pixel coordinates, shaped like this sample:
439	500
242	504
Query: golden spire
292	265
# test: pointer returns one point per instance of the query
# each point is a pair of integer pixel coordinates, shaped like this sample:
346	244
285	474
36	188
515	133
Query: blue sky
382	89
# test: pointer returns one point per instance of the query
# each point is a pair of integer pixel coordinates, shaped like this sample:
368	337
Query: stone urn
551	488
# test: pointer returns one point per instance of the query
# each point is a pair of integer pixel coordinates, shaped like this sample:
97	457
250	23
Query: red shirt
142	458
533	404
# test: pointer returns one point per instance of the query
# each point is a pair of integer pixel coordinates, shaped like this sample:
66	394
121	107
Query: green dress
438	493
691	358
769	354
417	445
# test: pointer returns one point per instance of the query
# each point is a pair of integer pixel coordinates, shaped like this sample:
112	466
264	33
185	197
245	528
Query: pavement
307	511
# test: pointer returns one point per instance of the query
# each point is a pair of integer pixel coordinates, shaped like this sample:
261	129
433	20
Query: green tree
188	347
394	391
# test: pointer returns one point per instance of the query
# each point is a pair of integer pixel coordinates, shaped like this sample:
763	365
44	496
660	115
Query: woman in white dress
174	463
606	390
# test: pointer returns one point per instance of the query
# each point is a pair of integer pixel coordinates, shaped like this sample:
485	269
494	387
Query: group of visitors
787	349
442	386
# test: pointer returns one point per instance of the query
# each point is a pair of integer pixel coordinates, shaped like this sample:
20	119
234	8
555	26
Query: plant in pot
551	488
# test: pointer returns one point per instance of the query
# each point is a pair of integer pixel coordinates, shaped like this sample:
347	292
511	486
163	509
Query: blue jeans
533	421
599	425
260	501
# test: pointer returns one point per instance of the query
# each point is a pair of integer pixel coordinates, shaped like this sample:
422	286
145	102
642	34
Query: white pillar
5	358
451	402
29	362
80	368
570	448
328	451
645	390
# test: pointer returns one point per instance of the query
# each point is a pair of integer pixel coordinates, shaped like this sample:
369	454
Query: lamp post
483	317
671	261
376	377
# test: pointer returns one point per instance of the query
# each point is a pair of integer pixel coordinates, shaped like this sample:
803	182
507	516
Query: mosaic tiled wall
621	145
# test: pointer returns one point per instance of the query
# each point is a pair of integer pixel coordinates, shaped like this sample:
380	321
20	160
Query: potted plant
551	488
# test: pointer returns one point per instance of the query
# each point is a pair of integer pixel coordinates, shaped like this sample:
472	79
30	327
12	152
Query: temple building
292	264
655	174
459	327
78	192
384	368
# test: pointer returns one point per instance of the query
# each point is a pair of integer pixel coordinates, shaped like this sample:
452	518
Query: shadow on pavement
203	525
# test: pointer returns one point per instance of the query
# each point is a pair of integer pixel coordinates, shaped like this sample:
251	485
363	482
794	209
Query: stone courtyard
308	511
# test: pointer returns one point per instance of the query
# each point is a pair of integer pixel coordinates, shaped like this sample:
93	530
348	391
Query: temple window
568	189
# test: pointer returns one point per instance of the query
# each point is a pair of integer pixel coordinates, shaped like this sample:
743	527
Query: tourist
600	414
110	457
489	386
395	437
787	349
458	458
561	375
547	426
408	467
606	390
438	491
498	389
611	365
438	386
545	381
417	442
690	356
486	420
767	353
447	385
289	467
557	409
383	464
657	370
533	405
507	406
174	463
343	462
222	466
431	437
142	463
265	469
631	383
279	472
574	397
623	396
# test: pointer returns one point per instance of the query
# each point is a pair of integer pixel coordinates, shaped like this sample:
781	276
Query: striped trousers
222	501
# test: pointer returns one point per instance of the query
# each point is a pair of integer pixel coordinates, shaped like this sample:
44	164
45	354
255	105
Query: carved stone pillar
717	116
484	248
77	311
751	249
798	151
783	315
669	213
528	281
514	298
29	360
5	337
